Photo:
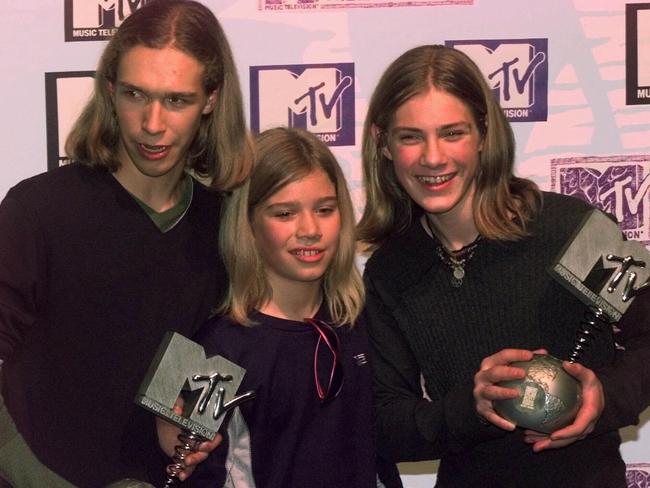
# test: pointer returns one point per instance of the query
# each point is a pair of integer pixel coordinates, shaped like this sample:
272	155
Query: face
434	144
297	231
159	101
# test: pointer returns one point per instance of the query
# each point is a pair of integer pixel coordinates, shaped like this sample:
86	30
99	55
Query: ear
379	137
110	89
211	103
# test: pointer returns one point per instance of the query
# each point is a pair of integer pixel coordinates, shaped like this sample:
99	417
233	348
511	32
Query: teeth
434	180
305	252
154	149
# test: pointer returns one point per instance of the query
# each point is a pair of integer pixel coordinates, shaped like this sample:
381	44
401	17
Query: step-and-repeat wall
573	76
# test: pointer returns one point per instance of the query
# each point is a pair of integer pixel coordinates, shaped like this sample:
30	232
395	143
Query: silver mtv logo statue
600	268
604	272
208	387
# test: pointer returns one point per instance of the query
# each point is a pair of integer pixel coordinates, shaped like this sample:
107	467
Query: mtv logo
613	190
602	269
102	13
318	98
517	71
66	94
637	53
616	184
208	386
637	475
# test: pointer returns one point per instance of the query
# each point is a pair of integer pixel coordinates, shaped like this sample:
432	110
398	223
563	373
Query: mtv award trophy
207	385
605	273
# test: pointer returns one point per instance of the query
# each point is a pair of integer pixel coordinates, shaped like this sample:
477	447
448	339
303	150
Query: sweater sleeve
21	274
626	382
411	427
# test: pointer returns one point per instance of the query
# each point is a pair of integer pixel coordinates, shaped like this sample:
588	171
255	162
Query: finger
195	458
204	449
497	374
581	426
211	445
576	430
584	375
506	356
546	444
532	436
499	421
183	475
178	406
496	393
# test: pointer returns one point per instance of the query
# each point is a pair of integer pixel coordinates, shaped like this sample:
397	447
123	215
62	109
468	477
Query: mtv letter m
209	384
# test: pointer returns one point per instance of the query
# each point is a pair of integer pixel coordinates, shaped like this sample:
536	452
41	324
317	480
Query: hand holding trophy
207	386
604	272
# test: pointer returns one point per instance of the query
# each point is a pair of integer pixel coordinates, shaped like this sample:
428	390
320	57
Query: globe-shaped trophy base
549	398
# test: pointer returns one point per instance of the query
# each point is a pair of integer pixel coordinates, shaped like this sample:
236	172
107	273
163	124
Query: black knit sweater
88	287
422	327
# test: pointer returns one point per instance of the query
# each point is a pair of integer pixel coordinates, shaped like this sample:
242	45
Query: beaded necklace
455	260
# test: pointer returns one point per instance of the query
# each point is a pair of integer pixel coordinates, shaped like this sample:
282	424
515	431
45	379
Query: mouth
306	252
434	180
153	152
153	149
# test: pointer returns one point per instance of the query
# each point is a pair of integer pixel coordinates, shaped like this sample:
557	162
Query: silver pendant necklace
455	260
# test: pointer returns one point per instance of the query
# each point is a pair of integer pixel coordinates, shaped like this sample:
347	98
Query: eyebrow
320	201
442	127
179	94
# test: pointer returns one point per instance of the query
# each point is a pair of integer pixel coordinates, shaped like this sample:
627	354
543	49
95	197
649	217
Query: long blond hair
499	195
283	156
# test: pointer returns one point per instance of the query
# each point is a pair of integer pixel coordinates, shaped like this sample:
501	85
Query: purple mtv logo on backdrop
638	475
316	97
607	190
616	184
517	71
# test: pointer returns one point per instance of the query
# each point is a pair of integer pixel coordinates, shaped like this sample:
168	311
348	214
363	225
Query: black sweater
88	287
420	326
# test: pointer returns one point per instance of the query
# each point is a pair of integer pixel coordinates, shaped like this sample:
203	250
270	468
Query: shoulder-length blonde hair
221	151
283	156
503	203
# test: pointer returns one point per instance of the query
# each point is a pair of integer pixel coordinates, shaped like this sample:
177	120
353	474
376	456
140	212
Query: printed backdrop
573	76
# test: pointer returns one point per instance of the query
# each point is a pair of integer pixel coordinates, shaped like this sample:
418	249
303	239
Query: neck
294	301
453	233
160	192
158	195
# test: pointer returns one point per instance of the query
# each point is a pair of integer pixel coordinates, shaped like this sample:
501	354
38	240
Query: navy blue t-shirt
287	437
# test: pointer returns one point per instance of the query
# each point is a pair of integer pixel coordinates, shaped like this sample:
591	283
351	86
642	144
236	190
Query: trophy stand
595	321
190	442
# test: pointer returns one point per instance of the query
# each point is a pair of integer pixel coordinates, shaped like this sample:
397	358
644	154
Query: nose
153	118
433	152
308	226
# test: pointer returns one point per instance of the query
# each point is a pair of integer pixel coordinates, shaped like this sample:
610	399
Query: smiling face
297	231
434	144
159	100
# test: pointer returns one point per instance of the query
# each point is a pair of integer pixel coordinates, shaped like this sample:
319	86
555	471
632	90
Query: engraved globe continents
549	397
